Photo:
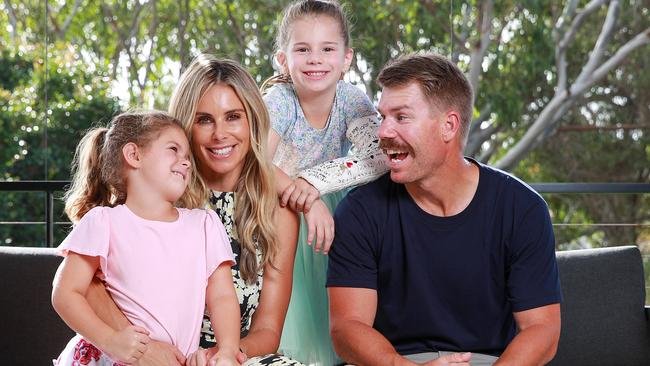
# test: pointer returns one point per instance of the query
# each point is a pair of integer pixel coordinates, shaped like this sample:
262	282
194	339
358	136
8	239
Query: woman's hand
299	196
320	225
128	344
209	356
161	354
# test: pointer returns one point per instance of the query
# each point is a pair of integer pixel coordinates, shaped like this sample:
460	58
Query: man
443	254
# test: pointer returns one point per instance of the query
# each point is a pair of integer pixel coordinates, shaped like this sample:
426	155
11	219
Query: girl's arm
268	320
68	298
366	162
223	306
299	194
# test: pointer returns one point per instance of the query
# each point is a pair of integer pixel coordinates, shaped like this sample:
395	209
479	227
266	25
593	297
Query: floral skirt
80	352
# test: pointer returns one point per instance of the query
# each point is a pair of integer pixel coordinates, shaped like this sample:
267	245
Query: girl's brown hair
297	10
98	164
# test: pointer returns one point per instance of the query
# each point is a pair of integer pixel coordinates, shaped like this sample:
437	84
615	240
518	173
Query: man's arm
536	342
352	313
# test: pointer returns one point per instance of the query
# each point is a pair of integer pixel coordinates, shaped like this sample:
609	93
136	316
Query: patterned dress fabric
223	203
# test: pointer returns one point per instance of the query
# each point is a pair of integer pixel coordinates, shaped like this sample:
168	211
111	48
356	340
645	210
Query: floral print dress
223	203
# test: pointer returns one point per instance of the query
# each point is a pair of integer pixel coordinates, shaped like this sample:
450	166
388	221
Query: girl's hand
300	195
128	344
321	225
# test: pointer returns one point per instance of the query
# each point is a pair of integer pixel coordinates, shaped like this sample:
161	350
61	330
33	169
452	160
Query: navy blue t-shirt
447	283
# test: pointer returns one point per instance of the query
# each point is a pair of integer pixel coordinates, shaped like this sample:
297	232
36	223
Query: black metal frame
49	187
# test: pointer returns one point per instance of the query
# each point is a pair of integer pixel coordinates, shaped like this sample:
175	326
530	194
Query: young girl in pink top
160	264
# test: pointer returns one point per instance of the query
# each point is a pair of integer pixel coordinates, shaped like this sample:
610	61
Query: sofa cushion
32	332
604	320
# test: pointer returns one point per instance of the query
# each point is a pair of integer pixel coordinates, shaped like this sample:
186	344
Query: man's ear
132	156
281	59
451	127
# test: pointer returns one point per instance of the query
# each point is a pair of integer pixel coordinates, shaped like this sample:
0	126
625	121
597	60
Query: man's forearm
360	344
535	345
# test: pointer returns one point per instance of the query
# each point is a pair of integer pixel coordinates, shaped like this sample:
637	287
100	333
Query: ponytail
273	80
87	189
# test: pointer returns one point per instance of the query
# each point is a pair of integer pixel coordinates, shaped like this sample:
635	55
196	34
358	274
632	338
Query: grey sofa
604	320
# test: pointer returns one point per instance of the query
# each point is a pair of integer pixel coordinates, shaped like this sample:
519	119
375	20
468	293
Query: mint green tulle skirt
305	336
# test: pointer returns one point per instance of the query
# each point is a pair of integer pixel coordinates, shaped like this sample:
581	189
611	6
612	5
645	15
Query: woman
227	123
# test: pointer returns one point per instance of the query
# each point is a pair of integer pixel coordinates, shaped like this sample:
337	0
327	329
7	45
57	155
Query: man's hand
300	195
161	354
456	359
320	226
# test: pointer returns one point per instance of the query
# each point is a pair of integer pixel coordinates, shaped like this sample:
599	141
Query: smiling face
220	137
166	165
411	133
316	55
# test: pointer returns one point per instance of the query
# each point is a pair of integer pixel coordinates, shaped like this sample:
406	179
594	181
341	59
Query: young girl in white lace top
316	119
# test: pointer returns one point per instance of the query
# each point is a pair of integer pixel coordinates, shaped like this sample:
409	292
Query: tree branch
68	20
484	29
563	44
235	27
432	8
639	40
152	32
12	20
601	43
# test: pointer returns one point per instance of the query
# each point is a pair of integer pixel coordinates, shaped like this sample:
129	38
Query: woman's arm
68	299
157	353
268	320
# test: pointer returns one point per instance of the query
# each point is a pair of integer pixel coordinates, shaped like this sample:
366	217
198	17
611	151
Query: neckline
462	216
154	222
329	115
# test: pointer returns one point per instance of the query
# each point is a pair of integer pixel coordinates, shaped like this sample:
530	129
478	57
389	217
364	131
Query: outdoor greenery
562	89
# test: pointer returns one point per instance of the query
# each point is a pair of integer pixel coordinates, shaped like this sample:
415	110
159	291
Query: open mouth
179	173
396	156
315	74
222	152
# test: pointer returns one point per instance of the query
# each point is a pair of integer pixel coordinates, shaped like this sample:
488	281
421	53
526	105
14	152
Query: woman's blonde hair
98	165
255	196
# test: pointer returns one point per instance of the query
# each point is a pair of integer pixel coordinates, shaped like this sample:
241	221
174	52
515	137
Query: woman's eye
328	49
204	120
173	148
302	49
233	117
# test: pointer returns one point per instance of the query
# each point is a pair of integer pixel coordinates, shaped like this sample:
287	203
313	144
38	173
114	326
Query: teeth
179	174
320	73
391	152
222	151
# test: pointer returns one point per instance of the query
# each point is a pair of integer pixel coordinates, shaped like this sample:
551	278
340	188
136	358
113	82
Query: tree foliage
539	68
